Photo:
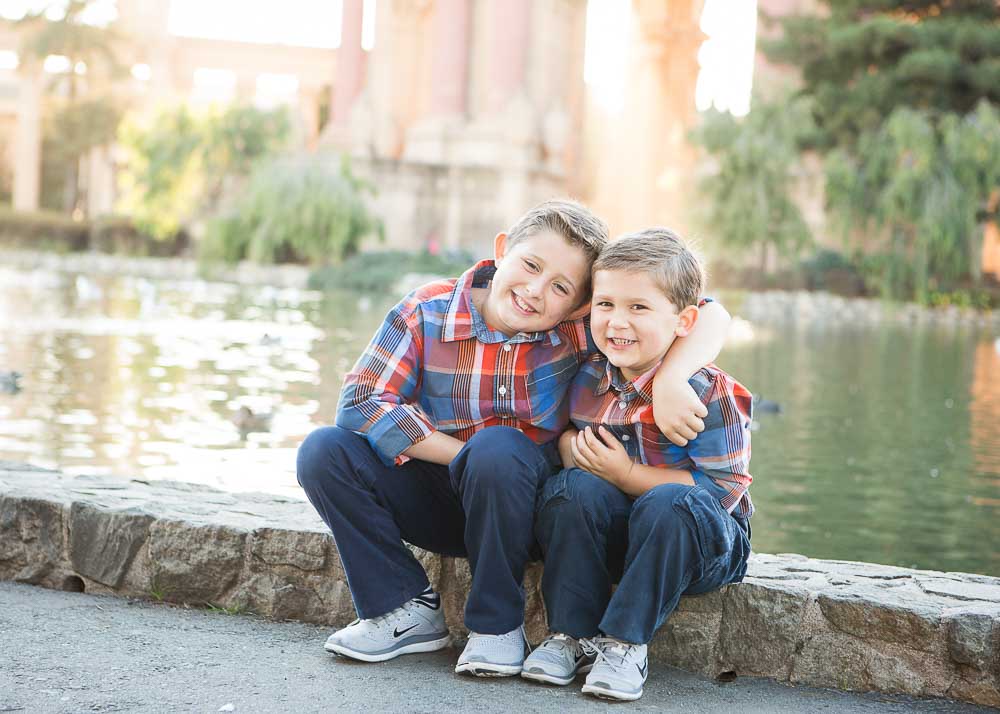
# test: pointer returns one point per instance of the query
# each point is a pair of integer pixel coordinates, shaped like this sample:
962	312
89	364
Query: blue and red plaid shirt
718	458
435	365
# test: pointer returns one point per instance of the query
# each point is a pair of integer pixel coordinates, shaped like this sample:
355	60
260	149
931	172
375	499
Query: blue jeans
673	540
481	506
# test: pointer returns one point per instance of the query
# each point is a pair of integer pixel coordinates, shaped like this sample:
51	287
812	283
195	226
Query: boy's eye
561	289
531	266
602	303
638	307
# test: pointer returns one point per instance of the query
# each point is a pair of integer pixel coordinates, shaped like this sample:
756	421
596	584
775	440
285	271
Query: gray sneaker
416	626
493	655
557	661
619	670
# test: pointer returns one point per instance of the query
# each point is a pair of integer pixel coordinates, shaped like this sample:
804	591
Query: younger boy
446	430
631	507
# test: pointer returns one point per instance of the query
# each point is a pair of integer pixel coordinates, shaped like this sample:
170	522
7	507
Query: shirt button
502	391
626	437
622	405
506	348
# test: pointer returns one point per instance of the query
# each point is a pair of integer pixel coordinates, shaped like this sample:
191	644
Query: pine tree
905	98
864	58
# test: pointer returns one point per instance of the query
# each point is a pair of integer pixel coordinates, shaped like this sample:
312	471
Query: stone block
102	543
870	613
32	543
690	639
297	549
762	628
191	563
972	634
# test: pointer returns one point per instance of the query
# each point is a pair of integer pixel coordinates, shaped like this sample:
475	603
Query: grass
231	610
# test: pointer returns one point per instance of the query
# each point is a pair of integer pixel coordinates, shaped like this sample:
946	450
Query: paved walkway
72	652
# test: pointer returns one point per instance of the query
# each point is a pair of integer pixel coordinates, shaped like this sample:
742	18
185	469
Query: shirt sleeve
721	453
379	393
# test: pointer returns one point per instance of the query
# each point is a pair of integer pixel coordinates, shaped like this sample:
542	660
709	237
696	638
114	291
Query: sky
726	58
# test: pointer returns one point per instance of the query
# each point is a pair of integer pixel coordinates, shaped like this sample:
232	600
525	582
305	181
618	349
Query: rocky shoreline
839	624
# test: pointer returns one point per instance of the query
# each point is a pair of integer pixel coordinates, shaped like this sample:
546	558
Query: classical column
509	59
100	182
28	140
450	68
350	62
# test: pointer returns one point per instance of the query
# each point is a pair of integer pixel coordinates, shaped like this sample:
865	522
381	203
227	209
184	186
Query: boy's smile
538	284
633	322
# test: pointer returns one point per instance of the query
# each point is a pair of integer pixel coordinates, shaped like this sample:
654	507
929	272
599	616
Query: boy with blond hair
631	507
446	430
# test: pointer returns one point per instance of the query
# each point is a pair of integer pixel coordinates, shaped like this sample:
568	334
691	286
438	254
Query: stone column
450	68
100	182
350	63
510	50
28	140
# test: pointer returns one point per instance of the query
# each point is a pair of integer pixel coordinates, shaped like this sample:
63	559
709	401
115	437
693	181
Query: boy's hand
602	455
677	409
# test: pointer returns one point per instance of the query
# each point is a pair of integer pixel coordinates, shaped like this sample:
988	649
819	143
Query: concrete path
72	652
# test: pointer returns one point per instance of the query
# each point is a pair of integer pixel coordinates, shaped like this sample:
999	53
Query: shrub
43	230
305	210
378	271
178	166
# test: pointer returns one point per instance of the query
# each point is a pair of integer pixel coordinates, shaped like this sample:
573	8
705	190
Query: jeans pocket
716	530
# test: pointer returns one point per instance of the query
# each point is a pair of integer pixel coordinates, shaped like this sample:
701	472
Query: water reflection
873	458
886	448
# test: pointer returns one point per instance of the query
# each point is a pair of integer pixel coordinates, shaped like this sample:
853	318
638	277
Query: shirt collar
641	387
463	321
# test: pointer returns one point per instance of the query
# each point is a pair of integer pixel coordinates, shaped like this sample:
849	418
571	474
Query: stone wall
817	622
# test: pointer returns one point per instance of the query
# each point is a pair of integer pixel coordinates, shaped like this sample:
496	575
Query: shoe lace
558	642
608	650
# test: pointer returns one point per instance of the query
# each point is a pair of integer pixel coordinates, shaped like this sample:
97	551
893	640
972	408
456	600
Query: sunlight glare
368	26
300	23
726	58
606	54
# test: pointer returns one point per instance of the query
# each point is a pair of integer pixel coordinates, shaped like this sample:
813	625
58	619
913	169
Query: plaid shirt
718	458
435	365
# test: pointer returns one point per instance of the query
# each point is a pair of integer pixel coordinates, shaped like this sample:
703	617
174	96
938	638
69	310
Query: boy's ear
499	247
686	320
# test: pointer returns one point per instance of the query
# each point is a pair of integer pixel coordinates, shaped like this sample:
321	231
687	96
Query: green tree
180	165
310	209
915	189
861	59
904	97
83	109
748	195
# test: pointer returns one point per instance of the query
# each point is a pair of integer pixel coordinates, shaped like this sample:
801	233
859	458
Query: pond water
886	449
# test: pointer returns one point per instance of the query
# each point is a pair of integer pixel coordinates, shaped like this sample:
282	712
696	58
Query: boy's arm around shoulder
377	400
677	410
721	453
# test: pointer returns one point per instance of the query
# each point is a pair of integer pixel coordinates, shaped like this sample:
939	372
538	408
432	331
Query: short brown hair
664	256
572	220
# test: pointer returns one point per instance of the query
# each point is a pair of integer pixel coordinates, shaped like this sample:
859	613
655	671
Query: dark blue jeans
671	541
481	506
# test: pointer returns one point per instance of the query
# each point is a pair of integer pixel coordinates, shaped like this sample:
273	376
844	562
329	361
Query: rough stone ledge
819	622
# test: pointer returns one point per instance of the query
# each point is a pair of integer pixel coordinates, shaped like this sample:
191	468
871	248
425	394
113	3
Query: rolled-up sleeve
379	393
721	453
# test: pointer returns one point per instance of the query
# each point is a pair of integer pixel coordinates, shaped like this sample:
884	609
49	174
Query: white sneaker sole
416	647
487	669
547	678
611	693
